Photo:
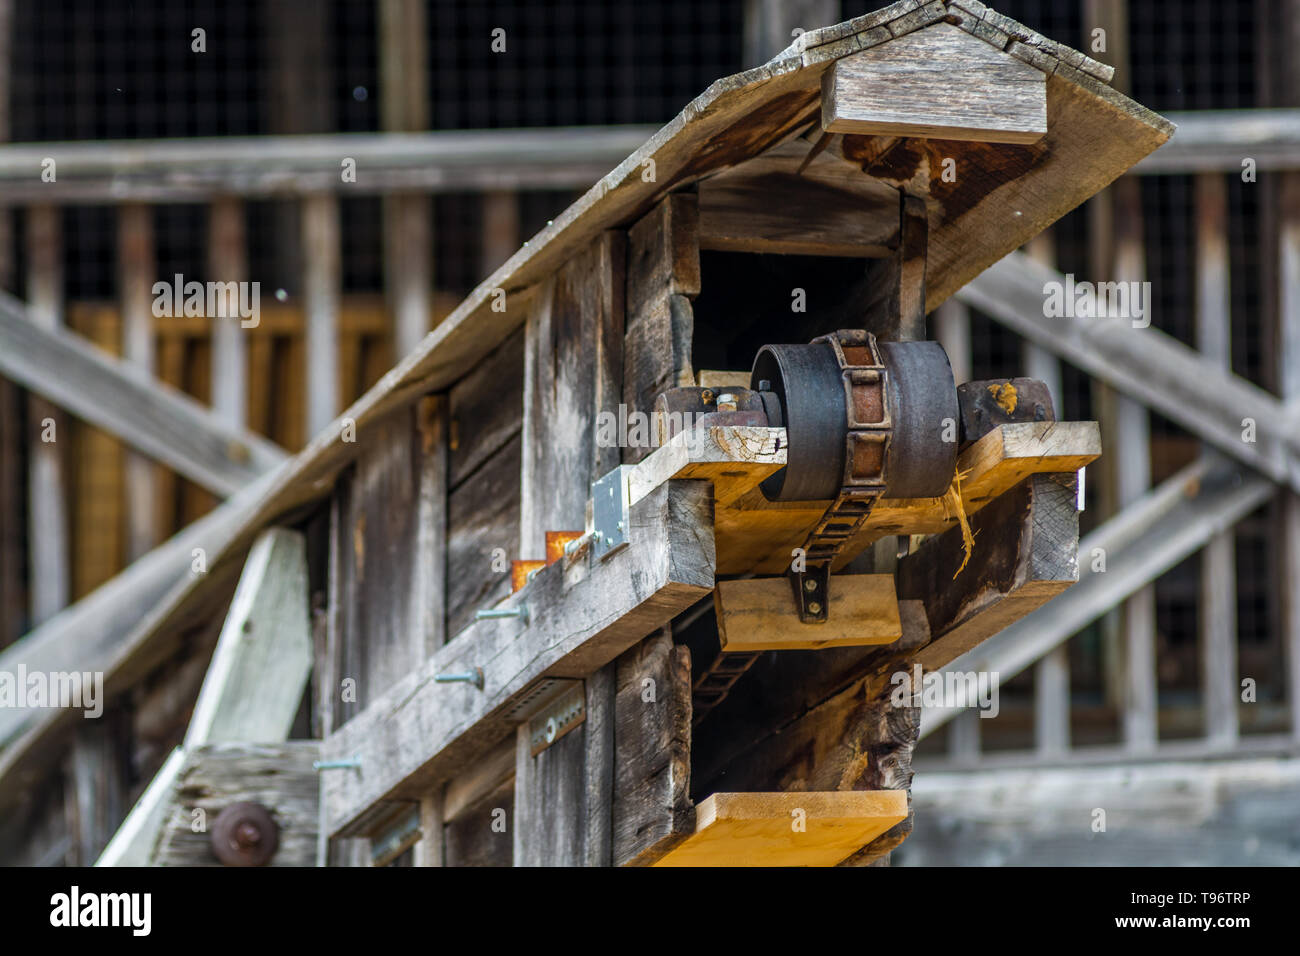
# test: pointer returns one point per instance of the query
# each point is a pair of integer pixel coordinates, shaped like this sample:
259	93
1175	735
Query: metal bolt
814	607
765	385
474	677
488	613
245	834
809	584
347	763
706	396
726	402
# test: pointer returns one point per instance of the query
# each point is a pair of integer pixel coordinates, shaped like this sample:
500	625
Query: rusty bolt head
726	402
245	835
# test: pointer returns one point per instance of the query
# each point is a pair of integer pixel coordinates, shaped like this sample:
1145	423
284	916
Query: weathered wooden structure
648	693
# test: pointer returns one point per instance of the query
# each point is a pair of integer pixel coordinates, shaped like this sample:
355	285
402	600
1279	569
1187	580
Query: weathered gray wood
408	267
228	262
770	25
278	776
47	524
663	274
261	167
96	785
322	288
137	266
908	88
652	808
573	371
429	849
1137	546
1288	364
1217	597
151	417
583	613
263	657
894	301
1216	141
482	516
429	568
1149	365
486	408
483	834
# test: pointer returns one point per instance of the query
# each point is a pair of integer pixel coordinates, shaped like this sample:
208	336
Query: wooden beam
137	266
1149	365
154	419
652	810
322	286
278	776
1217	141
906	88
267	167
1124	554
49	563
758	614
228	262
786	829
894	300
1288	366
583	613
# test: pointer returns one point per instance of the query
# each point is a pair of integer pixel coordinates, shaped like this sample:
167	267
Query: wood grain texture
278	776
651	808
938	83
582	614
758	614
482	515
760	829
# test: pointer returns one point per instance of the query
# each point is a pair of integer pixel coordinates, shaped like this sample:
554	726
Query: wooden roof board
1000	200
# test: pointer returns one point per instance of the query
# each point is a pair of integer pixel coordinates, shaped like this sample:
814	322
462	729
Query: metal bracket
557	718
609	511
812	593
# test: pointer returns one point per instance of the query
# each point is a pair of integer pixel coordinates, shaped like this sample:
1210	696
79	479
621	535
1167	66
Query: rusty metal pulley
861	415
244	834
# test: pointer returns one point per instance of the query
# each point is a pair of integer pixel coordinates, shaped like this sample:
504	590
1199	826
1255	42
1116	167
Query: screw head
814	607
809	584
244	834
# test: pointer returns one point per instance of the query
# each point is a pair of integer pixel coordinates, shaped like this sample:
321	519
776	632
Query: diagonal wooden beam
152	418
1148	365
1137	546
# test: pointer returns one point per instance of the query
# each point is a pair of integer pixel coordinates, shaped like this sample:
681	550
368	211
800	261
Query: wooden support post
251	692
322	285
663	275
1218	592
47	527
573	365
652	810
952	331
137	269
228	262
1052	673
94	785
895	299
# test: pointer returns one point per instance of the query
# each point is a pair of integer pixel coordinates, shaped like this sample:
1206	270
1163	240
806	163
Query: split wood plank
758	614
278	776
583	612
937	83
787	829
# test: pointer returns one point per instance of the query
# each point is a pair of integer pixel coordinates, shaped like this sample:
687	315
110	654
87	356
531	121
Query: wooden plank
663	275
758	614
1217	596
791	202
1135	547
1153	367
479	780
1025	553
735	458
483	834
132	844
786	829
322	285
486	408
95	785
1288	366
651	807
259	670
47	523
136	269
278	776
156	420
905	88
584	612
894	295
228	262
482	516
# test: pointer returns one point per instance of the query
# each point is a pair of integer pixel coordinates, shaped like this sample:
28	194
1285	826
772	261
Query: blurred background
96	86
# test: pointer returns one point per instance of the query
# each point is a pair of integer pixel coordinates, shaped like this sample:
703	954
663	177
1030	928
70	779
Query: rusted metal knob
245	835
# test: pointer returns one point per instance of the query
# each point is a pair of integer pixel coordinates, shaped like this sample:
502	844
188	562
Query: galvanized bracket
812	593
557	718
609	511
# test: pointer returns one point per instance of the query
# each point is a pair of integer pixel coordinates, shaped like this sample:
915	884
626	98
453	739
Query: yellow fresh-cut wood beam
758	614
